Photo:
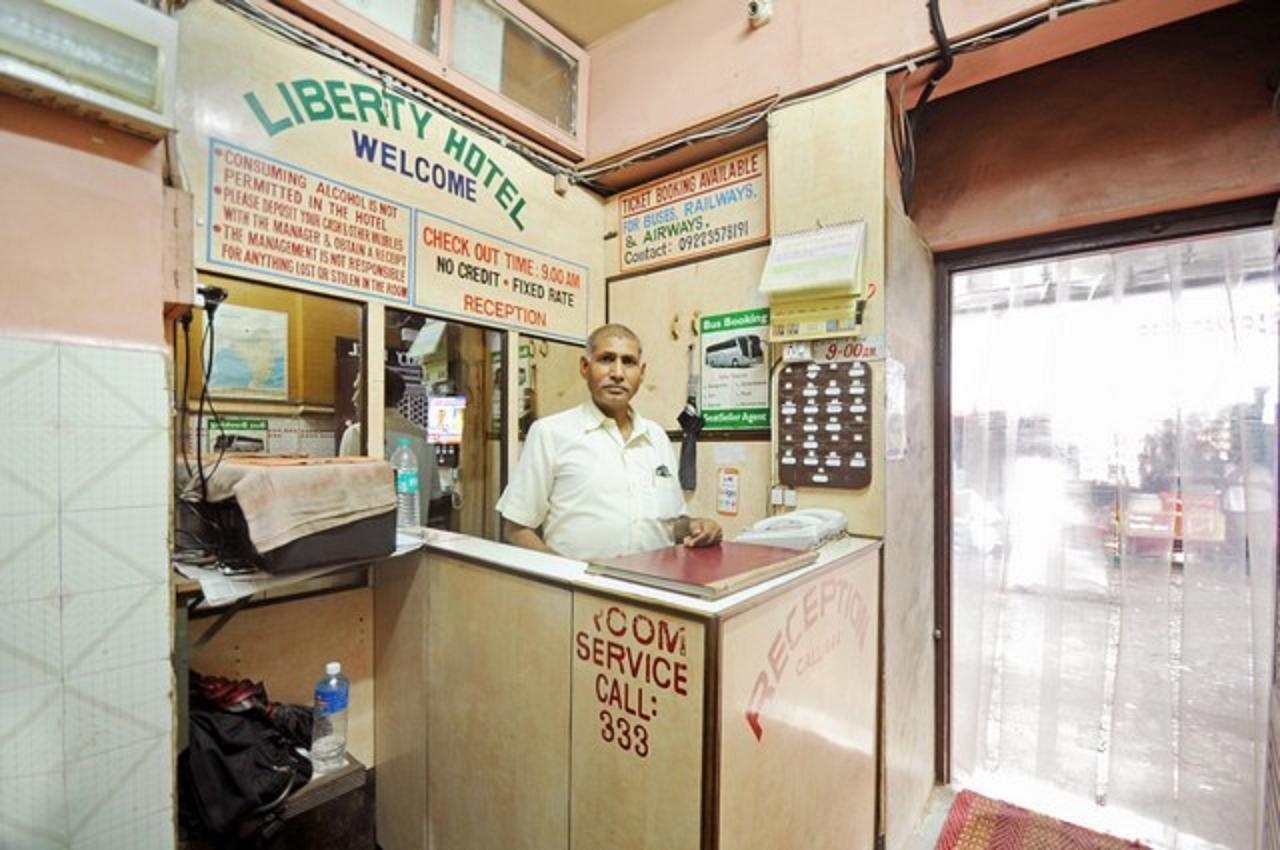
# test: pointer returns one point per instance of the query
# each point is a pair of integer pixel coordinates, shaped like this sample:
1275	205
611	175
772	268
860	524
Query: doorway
1112	560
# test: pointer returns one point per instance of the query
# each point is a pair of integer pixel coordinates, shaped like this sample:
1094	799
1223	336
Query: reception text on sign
287	223
482	278
722	204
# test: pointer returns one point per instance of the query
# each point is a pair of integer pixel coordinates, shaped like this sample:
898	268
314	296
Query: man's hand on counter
698	531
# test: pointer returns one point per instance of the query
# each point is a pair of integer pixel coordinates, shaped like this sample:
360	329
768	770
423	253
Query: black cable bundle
945	61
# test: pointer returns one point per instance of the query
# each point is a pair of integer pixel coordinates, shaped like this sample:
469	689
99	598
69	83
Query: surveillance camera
759	12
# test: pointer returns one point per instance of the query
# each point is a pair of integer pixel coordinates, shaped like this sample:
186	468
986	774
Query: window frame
437	71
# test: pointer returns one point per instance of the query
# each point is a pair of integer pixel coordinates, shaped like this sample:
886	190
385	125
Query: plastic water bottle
405	463
329	720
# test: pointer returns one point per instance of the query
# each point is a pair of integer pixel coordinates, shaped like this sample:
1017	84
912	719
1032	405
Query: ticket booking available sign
704	210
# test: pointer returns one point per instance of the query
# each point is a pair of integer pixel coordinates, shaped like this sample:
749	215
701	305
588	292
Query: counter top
553	568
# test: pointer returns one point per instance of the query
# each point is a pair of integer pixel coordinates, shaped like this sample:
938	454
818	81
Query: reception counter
522	702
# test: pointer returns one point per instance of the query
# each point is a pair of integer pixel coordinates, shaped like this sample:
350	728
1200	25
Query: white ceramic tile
28	557
115	628
33	813
31	732
119	788
153	832
106	550
28	383
30	644
114	709
28	469
114	468
113	388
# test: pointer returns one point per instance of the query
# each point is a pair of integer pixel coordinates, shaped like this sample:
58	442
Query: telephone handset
803	529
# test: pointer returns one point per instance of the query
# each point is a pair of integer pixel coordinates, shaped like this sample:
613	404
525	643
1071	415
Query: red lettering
668	640
616	653
583	650
761	694
829	591
635	629
638	661
450	242
810	607
619	630
778	656
657	677
602	688
792	640
681	685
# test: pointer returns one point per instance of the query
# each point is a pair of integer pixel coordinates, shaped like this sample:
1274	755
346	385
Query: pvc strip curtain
1113	552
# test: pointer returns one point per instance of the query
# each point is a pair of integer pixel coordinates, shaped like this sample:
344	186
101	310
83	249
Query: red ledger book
707	571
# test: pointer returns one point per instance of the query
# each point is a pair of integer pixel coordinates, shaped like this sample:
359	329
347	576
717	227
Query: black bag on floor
238	768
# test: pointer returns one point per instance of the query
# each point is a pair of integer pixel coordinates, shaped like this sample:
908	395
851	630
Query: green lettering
456	144
272	127
368	99
311	96
494	171
396	102
288	101
340	98
421	116
514	215
474	160
506	194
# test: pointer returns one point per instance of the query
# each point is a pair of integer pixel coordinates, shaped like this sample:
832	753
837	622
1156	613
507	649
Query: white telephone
808	528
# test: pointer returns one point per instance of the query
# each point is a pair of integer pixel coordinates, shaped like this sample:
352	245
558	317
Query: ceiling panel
588	21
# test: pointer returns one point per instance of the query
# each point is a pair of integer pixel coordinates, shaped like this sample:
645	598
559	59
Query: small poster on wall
250	353
735	370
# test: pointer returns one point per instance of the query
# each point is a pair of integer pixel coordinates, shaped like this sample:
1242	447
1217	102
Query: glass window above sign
416	22
494	48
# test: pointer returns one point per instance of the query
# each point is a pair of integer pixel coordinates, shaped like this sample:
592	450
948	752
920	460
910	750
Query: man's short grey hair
610	331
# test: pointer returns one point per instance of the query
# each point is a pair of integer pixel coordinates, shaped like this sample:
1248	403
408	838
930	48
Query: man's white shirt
594	494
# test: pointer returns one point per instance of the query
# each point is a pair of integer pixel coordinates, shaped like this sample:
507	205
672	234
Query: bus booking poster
735	370
444	420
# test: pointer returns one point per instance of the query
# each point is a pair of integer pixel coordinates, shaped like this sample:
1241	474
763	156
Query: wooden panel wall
497	710
400	598
558	385
660	306
798	702
285	646
637	730
827	165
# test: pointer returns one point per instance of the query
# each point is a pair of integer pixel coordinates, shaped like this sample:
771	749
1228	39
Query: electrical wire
589	176
907	170
181	404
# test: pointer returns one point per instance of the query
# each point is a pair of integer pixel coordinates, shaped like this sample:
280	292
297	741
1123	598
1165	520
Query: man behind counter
598	479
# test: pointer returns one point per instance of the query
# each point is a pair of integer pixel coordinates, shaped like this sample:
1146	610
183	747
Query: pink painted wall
697	59
1169	119
80	227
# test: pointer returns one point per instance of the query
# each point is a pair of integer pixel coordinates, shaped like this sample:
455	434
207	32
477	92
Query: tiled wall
86	718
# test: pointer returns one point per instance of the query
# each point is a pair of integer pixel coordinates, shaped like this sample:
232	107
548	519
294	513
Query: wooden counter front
523	703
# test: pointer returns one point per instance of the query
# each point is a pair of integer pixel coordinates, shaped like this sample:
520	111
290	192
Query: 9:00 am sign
707	209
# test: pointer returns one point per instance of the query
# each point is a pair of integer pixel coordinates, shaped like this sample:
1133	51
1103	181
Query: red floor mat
978	823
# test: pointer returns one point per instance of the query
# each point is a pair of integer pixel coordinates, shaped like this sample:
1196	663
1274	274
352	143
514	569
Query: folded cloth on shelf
285	499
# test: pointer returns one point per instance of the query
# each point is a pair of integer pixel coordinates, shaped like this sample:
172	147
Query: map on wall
250	353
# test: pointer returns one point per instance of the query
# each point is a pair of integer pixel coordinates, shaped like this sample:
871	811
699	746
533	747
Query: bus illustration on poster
735	370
